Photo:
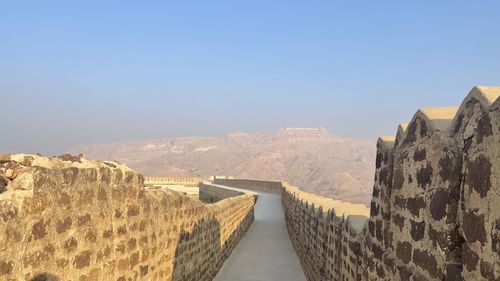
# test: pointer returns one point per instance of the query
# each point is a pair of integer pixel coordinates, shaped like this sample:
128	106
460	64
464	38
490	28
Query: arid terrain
313	159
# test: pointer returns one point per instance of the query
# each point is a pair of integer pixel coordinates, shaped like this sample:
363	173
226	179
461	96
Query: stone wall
211	193
255	185
435	212
185	181
69	218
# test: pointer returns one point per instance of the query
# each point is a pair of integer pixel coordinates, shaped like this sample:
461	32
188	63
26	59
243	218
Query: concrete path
266	252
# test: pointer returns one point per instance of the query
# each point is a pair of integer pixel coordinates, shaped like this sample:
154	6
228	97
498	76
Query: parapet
75	219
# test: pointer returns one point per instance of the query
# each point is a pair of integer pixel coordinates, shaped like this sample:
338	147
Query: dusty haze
314	159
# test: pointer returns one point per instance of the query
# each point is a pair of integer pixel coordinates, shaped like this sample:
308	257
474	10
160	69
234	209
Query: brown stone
82	220
90	236
82	260
398	179
426	261
70	244
420	154
438	204
404	273
415	204
411	133
101	194
64	200
62	263
70	175
454	272
495	238
450	168
474	228
417	230
122	230
470	258
423	128
132	244
118	213
133	210
377	251
6	267
487	270
371	228
384	176
107	233
379	159
403	251
62	226
437	237
478	175
424	176
134	259
86	197
120	247
374	209
380	271
379	230
38	231
484	128
398	220
144	270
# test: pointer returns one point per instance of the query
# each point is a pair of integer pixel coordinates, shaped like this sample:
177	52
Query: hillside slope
313	159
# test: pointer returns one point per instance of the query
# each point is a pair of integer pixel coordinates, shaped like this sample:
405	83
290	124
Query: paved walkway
265	253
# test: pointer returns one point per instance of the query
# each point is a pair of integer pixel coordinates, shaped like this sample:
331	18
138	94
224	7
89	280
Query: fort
434	215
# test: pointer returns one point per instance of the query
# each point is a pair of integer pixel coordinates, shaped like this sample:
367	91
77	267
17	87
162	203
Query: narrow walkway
266	252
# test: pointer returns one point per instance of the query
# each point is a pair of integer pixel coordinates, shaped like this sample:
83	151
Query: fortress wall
255	185
210	193
479	207
75	219
435	212
187	181
324	233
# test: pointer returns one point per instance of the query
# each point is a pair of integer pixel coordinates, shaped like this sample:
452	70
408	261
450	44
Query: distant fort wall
69	218
211	193
435	212
255	185
187	181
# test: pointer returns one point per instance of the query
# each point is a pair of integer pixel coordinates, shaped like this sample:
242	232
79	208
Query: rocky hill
311	158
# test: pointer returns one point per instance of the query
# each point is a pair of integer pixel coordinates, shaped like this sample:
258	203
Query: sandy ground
266	252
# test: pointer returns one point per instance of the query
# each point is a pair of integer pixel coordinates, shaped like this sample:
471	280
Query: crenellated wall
435	212
69	218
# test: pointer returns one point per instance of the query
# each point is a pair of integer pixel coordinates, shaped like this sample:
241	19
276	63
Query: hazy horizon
94	72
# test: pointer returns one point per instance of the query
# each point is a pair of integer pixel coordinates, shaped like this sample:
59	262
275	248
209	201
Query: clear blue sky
77	72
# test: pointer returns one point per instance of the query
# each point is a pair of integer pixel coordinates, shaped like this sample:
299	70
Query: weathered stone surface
84	220
435	195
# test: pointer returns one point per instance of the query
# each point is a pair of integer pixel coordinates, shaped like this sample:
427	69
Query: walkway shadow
199	254
191	249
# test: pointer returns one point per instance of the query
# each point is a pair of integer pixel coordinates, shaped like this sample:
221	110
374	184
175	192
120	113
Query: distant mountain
311	158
